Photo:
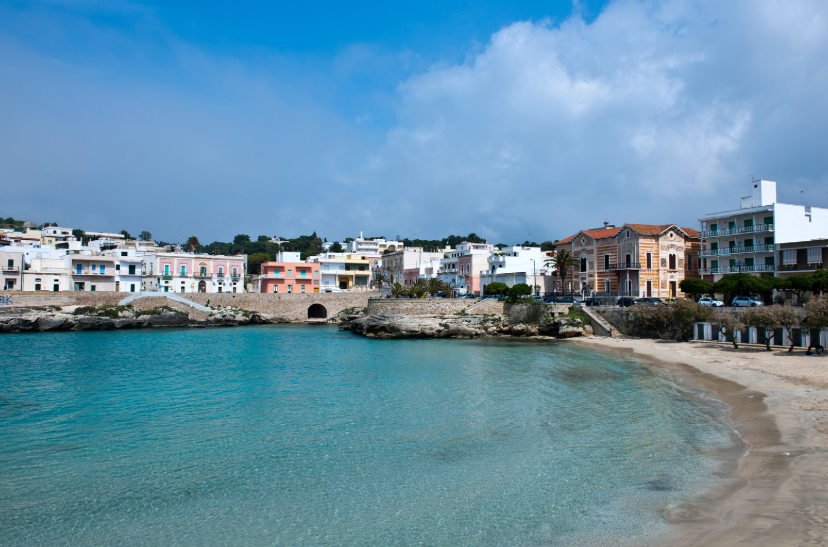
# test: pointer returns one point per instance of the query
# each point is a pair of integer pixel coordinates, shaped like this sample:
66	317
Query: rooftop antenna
802	197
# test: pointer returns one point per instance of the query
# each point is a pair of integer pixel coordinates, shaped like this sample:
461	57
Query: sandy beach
779	406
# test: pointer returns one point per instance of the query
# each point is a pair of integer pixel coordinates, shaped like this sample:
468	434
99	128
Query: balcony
736	231
738	250
202	274
7	270
220	274
625	266
90	272
742	268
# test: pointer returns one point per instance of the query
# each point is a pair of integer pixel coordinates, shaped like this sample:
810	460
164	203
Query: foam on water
293	435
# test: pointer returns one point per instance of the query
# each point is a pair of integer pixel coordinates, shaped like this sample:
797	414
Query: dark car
469	295
592	302
625	302
564	300
651	301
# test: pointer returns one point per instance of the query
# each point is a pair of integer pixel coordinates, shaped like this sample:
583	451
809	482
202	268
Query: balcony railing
625	266
736	230
738	250
202	274
738	269
220	274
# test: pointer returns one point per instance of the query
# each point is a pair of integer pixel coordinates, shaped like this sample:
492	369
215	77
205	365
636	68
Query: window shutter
814	255
788	257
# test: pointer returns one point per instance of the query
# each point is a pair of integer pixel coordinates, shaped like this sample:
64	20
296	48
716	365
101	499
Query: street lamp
534	276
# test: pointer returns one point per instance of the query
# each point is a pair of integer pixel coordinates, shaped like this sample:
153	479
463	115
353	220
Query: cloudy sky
523	120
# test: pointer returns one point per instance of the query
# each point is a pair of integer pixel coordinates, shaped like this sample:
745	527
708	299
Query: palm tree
397	290
418	289
564	262
447	287
381	277
433	286
193	243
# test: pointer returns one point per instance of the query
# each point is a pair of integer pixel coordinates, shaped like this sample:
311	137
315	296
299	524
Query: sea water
306	435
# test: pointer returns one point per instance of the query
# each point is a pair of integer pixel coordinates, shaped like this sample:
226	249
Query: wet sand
779	406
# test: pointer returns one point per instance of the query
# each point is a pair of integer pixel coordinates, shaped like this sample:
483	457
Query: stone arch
317	311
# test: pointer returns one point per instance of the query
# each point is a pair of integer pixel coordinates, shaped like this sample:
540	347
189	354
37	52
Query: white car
746	302
707	301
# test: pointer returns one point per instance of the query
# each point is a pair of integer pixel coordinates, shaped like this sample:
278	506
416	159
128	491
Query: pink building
187	273
289	277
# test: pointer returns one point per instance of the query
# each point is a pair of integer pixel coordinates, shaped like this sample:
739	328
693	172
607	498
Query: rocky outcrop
30	320
404	326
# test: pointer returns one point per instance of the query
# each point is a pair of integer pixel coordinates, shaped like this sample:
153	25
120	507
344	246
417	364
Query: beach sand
779	406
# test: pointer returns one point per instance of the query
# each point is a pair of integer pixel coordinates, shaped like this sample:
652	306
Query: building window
221	272
132	287
316	272
92	288
290	289
93	267
672	262
303	288
235	272
132	269
649	261
275	288
183	270
117	267
788	257
304	274
290	272
166	269
10	264
606	262
583	264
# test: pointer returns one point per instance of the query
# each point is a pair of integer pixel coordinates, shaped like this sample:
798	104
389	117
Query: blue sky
506	119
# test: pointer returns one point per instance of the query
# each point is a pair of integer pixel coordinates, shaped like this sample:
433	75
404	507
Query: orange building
633	260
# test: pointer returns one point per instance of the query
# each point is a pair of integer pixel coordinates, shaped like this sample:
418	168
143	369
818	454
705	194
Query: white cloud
655	112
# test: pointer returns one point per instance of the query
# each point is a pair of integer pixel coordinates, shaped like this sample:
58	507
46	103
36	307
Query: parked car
652	301
745	302
708	302
670	301
549	299
625	302
592	302
537	298
469	295
564	300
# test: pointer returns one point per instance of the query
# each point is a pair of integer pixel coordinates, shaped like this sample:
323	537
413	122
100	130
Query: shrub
520	289
685	314
652	320
770	318
729	322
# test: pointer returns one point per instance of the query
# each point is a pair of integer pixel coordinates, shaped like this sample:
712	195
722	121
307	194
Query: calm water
297	435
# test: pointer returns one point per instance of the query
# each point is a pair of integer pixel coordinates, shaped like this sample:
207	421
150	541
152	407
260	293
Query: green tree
820	282
730	324
381	278
126	234
518	290
496	288
448	288
145	236
799	283
548	246
769	318
336	247
433	286
398	290
241	239
564	262
263	239
254	262
695	287
193	243
418	289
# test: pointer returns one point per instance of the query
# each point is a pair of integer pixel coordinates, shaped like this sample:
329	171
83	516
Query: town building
515	265
462	266
189	273
635	259
56	237
288	274
397	262
372	247
343	271
47	274
763	237
12	265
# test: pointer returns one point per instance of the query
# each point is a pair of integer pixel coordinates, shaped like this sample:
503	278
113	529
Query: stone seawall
292	307
415	306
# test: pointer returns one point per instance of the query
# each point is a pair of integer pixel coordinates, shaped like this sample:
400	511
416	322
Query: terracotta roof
649	229
691	232
566	239
605	232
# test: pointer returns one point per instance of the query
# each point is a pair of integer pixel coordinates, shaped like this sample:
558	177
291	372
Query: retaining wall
293	307
416	306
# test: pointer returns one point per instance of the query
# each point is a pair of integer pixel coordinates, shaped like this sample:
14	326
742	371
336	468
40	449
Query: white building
409	258
372	247
12	265
763	237
514	265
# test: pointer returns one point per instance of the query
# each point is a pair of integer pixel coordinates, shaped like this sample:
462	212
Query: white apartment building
47	274
514	265
57	237
372	247
763	237
396	263
461	266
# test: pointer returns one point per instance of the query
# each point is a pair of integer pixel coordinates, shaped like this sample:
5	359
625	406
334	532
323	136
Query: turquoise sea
306	435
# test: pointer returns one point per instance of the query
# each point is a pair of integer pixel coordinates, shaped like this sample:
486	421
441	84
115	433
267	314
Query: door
343	285
673	287
649	289
117	286
202	286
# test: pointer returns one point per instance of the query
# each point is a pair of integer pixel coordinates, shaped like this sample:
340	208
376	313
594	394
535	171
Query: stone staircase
600	326
170	295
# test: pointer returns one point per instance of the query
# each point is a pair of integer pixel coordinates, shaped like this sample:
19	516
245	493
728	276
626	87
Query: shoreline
773	499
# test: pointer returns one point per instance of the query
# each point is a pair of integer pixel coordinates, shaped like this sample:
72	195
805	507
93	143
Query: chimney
606	224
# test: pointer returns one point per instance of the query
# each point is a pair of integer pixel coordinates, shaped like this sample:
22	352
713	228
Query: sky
513	120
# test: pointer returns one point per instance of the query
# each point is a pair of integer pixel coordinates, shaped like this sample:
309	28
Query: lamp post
534	277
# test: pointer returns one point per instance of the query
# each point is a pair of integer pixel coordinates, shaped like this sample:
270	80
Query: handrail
625	266
736	230
738	250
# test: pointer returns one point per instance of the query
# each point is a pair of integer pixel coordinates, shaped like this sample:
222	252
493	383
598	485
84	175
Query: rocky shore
121	317
463	326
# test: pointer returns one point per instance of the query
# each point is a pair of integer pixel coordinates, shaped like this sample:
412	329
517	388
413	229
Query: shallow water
300	435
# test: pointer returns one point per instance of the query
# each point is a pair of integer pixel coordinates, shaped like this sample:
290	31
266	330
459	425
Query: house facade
289	277
12	265
763	237
410	258
514	265
634	260
188	273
